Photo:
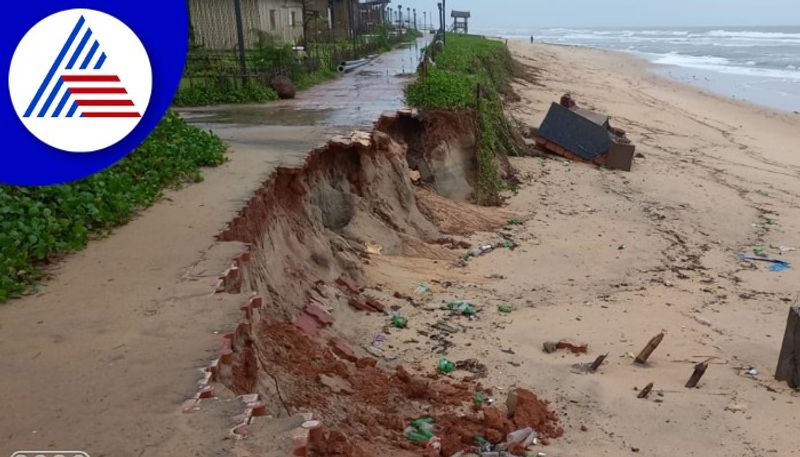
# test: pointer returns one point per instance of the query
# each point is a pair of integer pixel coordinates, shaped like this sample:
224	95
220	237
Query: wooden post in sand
789	361
699	371
651	346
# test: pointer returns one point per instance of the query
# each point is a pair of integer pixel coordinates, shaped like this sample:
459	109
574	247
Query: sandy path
612	258
103	356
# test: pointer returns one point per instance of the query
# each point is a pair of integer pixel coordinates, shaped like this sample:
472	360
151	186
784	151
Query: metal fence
245	41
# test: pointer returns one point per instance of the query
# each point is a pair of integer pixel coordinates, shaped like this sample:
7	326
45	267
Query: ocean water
757	64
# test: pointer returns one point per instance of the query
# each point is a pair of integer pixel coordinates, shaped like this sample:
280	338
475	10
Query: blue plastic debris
777	264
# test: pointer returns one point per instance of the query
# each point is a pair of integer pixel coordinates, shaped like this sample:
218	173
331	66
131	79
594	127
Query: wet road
351	101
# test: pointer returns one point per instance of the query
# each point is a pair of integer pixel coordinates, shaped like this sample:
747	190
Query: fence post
237	6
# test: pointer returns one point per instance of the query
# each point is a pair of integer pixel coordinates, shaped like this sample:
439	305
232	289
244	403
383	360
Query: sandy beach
611	259
603	258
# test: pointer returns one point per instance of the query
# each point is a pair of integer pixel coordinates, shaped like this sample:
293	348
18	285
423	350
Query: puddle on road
353	100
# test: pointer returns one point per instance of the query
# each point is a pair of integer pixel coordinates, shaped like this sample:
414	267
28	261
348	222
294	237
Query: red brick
342	349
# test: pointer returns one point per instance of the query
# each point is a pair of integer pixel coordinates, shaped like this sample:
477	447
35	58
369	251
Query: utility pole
444	21
441	24
415	19
237	9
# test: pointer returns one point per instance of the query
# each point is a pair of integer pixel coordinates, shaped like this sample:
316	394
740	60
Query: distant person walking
531	39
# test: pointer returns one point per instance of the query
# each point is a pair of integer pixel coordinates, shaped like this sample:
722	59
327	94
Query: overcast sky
617	13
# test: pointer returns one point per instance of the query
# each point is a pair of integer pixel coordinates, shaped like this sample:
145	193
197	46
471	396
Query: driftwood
789	360
699	371
646	391
651	346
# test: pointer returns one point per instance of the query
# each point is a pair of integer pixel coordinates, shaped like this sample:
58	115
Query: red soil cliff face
308	230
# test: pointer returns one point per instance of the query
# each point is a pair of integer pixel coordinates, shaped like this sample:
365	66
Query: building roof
465	14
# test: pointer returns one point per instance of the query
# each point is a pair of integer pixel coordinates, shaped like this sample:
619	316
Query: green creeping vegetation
466	62
38	224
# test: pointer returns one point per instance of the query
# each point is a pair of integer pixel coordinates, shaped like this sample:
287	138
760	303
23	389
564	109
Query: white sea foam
723	65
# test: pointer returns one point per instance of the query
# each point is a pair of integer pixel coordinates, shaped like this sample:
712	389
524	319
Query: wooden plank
789	360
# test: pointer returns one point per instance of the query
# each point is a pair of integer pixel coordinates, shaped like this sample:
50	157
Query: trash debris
736	408
421	431
777	264
478	398
550	347
752	371
785	249
759	250
378	339
646	391
446	366
585	136
473	366
445	327
461	307
505	309
514	221
423	288
374	248
399	322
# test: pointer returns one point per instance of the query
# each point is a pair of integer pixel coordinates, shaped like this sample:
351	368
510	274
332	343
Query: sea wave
723	65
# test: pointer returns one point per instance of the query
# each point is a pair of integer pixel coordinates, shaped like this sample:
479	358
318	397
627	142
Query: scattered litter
786	249
759	251
505	309
703	321
777	264
374	248
514	221
399	322
421	431
736	408
461	307
445	327
646	391
423	288
752	371
763	193
446	366
378	339
473	366
550	347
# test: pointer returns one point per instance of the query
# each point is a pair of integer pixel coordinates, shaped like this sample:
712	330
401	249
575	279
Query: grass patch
207	91
39	224
466	62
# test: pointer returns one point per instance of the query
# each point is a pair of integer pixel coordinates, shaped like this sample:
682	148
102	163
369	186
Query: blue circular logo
87	82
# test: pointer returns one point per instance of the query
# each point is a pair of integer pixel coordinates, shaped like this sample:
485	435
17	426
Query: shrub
38	224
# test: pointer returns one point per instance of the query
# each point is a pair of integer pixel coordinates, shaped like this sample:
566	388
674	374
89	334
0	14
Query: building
213	22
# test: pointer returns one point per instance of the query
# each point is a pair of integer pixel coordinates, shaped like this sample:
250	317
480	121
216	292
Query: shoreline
662	71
